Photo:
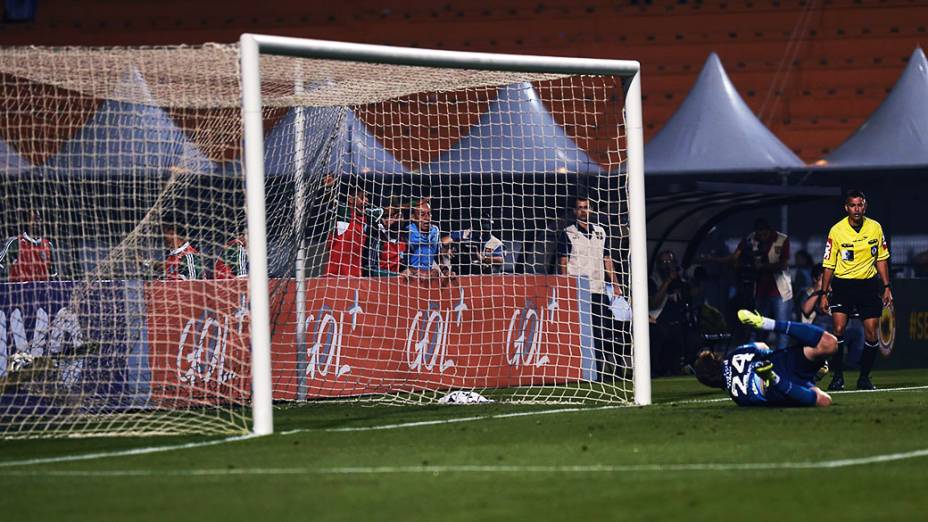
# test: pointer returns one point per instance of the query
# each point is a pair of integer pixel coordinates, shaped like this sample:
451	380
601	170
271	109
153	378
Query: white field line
845	392
191	445
437	422
123	453
452	421
903	388
385	470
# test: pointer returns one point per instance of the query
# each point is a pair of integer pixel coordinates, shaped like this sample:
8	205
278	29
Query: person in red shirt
183	259
346	242
233	260
386	249
765	252
28	256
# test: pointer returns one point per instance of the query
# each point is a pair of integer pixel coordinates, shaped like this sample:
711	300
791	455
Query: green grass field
689	456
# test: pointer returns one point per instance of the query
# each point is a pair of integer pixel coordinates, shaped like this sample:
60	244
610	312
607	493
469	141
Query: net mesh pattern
421	222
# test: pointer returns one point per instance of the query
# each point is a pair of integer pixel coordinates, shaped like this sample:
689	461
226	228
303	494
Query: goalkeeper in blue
755	375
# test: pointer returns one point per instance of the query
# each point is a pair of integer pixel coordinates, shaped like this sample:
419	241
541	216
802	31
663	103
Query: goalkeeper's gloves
765	372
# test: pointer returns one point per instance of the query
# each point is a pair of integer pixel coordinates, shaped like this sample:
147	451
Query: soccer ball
464	397
21	361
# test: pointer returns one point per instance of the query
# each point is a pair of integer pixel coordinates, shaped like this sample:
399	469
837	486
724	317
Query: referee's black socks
868	357
837	360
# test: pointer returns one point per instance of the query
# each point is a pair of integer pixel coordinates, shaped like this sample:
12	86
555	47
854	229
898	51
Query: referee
855	253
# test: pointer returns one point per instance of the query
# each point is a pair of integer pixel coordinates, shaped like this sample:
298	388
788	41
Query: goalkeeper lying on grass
755	375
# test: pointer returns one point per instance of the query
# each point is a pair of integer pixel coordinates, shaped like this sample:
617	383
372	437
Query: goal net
427	229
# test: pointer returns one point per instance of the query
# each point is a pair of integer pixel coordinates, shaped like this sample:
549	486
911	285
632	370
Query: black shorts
861	296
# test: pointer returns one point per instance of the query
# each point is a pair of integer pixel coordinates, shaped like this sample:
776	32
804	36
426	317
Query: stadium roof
680	220
354	150
715	131
11	162
123	137
896	134
517	135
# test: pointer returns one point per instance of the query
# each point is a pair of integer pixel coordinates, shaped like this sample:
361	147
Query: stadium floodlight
403	212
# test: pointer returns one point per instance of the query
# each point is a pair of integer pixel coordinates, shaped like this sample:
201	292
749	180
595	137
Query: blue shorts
792	363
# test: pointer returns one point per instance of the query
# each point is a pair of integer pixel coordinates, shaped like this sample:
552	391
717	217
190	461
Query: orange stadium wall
826	65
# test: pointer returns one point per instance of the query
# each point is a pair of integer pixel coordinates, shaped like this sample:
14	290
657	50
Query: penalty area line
433	470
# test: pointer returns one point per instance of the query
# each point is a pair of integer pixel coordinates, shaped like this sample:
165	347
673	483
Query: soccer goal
199	233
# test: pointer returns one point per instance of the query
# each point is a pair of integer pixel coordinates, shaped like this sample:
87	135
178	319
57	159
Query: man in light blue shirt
426	241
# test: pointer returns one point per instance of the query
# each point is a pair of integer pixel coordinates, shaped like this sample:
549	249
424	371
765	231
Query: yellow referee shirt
852	254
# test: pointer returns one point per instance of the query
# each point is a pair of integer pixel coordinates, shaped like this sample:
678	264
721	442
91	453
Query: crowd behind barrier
397	237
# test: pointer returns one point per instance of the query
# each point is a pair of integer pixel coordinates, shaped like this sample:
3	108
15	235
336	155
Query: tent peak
11	161
714	130
517	135
896	134
334	139
132	88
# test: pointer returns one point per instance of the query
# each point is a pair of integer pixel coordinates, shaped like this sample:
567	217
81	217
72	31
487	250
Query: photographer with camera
670	316
762	260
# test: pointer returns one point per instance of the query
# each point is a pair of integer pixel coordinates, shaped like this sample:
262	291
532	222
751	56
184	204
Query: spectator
669	312
28	256
715	257
386	250
485	254
491	253
346	242
764	254
233	260
426	242
183	259
583	251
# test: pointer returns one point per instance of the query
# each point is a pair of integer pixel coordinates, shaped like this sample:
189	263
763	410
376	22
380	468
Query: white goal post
252	47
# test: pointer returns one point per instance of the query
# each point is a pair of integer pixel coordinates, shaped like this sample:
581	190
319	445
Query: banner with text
88	338
368	336
911	302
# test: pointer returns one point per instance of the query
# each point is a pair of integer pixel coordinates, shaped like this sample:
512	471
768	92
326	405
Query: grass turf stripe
385	470
191	445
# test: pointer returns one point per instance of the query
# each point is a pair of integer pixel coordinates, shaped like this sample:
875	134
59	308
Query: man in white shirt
583	251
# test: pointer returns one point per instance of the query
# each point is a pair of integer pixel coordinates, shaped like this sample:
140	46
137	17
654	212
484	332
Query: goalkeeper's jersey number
742	383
